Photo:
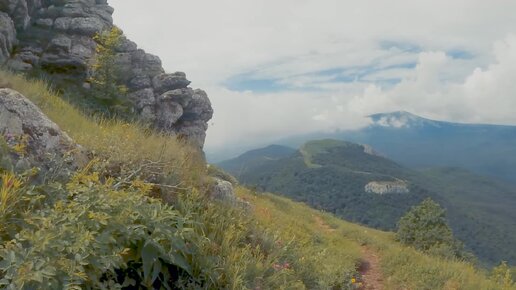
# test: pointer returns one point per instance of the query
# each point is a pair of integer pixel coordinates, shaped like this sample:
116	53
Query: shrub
425	228
106	73
88	235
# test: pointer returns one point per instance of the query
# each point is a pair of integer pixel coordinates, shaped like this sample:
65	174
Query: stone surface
387	187
18	11
7	36
222	190
167	82
58	39
22	122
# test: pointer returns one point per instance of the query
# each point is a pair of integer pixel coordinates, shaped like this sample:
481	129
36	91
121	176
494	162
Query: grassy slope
480	209
236	252
404	268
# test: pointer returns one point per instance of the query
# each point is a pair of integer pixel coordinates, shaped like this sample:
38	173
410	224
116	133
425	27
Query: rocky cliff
386	187
56	36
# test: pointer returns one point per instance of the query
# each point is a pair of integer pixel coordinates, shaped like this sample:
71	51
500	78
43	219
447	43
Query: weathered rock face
387	187
7	36
57	37
222	190
34	139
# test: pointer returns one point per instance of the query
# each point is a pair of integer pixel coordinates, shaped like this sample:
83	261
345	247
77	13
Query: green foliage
102	230
125	238
106	73
88	235
479	209
323	240
425	228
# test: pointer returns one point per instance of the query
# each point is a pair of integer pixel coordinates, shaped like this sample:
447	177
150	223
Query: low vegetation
403	267
137	216
480	210
425	228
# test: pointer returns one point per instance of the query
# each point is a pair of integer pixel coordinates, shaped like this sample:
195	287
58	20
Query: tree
105	72
425	228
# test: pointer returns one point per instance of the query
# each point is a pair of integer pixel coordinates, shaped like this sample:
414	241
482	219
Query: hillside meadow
95	232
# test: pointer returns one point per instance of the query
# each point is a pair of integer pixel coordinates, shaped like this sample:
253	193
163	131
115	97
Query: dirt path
370	270
323	225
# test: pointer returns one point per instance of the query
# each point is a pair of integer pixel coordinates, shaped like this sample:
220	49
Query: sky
277	68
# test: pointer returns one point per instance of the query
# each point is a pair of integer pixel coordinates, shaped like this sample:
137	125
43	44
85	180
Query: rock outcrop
33	140
222	190
7	36
387	187
56	36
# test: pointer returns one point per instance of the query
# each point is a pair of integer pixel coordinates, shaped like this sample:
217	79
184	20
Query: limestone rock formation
36	141
387	187
7	36
222	190
57	37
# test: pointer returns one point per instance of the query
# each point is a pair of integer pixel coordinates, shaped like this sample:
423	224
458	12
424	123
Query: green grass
115	140
340	242
223	247
275	243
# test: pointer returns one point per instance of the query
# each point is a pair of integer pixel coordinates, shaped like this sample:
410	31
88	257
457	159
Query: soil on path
370	270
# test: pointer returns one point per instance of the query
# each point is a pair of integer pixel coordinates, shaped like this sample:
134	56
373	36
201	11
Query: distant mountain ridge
418	142
346	179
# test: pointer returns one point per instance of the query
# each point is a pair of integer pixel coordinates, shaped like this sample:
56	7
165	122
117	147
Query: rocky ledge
387	187
56	36
32	140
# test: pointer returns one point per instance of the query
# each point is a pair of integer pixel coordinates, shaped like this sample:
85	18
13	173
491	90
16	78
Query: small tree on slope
105	72
425	228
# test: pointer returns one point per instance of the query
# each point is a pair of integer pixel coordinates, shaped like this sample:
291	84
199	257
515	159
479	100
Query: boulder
58	39
222	190
167	82
42	142
18	11
139	82
87	26
199	107
7	36
168	113
60	44
17	64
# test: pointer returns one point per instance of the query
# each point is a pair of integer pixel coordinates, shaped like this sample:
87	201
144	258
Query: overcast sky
274	68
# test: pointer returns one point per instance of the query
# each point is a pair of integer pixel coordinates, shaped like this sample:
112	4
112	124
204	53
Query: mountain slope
258	157
418	142
398	267
105	228
355	183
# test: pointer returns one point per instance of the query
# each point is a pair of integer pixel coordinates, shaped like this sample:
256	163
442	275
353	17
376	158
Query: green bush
88	235
425	228
106	73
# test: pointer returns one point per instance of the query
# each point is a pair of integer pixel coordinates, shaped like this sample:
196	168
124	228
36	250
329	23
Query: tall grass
116	140
335	245
276	244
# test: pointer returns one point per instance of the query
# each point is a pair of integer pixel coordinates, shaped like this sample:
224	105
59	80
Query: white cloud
372	42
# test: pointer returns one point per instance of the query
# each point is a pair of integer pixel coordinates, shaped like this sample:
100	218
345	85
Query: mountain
255	158
102	227
354	182
417	142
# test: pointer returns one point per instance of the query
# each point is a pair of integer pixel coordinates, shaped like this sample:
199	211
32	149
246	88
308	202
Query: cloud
279	68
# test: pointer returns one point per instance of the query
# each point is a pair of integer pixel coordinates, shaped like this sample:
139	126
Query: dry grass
117	141
335	244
